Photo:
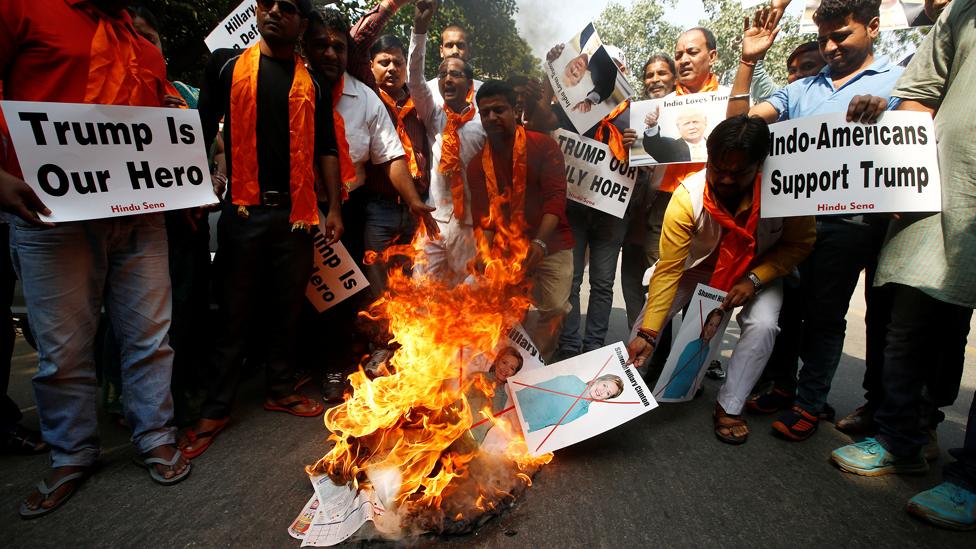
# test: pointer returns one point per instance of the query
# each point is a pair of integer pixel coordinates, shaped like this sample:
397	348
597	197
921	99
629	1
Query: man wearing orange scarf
712	234
528	166
76	51
457	135
277	132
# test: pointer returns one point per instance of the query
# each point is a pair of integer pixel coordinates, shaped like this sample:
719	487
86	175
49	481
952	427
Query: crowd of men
326	123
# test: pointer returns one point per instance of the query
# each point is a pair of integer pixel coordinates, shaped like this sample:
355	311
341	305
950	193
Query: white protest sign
823	165
674	129
594	176
893	15
335	276
697	342
238	30
587	83
95	161
578	398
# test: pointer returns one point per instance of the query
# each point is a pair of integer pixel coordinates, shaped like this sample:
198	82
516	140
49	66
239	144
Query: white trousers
447	258
758	324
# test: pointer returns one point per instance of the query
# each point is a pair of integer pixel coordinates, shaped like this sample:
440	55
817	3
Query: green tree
640	31
183	24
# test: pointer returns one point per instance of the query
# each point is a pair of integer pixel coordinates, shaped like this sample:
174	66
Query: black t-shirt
273	139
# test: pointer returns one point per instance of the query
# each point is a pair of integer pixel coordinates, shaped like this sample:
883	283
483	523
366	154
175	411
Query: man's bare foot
37	500
198	438
166	452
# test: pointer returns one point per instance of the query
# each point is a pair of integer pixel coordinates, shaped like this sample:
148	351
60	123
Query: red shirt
545	188
45	49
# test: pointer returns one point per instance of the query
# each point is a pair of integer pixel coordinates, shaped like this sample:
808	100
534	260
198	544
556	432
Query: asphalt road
662	480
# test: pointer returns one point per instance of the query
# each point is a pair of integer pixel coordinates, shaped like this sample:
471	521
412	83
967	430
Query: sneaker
769	402
869	458
333	388
797	424
715	370
947	505
931	450
860	422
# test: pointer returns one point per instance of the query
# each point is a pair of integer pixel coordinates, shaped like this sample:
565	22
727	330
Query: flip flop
148	463
42	488
193	436
729	422
290	407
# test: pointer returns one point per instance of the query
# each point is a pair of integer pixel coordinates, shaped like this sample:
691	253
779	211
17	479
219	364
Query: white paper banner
674	129
587	83
578	398
823	165
335	276
595	177
894	15
238	30
95	161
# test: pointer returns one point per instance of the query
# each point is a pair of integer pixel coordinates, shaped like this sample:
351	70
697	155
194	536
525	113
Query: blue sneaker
869	458
947	505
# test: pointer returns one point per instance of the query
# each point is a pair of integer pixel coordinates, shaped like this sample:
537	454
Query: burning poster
578	398
674	129
895	14
334	514
587	83
696	343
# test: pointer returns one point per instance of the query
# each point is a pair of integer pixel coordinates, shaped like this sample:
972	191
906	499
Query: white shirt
472	135
371	135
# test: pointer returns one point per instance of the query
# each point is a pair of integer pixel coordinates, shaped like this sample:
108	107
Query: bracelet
739	96
647	335
545	249
747	63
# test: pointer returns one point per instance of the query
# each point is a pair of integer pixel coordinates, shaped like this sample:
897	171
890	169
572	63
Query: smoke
545	23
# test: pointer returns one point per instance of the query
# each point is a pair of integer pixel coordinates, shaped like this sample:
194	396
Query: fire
410	427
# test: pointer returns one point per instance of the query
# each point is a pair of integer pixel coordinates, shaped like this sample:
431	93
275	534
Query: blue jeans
69	272
603	234
387	223
828	278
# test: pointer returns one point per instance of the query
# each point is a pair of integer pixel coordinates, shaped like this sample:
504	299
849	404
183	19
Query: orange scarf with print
401	113
451	164
347	172
737	248
614	137
245	190
676	173
115	75
520	170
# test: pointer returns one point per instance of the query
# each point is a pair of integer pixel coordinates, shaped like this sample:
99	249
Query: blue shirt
540	409
816	94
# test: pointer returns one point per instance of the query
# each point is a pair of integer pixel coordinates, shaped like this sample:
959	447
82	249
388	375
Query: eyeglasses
452	74
286	8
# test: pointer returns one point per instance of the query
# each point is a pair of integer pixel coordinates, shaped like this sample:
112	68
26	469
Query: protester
457	136
273	110
713	234
454	44
859	83
102	60
927	262
805	60
523	163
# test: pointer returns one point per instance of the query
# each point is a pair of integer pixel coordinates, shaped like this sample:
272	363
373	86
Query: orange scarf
451	164
401	113
115	75
737	248
246	191
516	194
347	172
615	138
676	173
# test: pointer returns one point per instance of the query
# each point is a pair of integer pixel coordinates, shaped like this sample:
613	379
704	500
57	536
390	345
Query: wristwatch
757	284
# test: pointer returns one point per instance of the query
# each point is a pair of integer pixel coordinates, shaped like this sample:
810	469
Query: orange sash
451	164
520	170
245	188
737	248
347	172
676	173
401	113
115	75
615	138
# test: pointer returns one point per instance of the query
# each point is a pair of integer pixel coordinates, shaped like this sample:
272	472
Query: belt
275	199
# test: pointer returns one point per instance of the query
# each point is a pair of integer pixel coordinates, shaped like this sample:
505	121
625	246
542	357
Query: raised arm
423	100
364	33
758	36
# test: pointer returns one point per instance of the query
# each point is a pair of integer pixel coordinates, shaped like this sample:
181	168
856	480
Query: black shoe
333	388
860	422
18	439
715	370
